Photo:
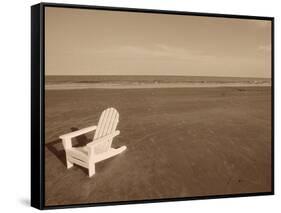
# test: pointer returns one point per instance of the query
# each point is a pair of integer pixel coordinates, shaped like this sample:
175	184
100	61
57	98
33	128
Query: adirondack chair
99	148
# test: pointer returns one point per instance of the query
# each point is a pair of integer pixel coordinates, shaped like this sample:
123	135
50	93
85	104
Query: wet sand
181	142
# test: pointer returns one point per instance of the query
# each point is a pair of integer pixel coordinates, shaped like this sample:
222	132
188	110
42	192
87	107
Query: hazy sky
95	42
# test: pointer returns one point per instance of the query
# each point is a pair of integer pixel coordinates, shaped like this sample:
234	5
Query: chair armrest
78	132
102	139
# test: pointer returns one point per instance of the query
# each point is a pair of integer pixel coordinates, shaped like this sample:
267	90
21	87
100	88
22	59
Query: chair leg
91	169
68	163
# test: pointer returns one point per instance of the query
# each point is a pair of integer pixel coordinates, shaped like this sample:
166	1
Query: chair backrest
107	124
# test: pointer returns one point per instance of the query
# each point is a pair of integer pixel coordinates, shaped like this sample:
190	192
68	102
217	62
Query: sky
96	42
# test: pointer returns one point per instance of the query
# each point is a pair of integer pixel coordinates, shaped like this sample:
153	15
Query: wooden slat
107	119
100	124
107	122
106	125
78	132
110	120
111	128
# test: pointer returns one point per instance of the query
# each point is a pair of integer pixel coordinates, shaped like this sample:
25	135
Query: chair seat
80	153
82	149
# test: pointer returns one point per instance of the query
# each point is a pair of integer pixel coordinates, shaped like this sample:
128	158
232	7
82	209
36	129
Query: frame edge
37	200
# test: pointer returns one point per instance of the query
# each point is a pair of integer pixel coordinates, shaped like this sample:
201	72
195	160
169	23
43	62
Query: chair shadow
56	147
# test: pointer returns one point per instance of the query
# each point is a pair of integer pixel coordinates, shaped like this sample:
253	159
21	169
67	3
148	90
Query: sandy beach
182	142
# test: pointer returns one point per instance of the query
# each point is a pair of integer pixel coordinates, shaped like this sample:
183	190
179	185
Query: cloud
156	51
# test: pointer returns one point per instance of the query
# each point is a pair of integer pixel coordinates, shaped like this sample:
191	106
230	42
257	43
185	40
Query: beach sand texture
181	142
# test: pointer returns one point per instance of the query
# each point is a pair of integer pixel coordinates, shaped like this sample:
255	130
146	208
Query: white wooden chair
97	150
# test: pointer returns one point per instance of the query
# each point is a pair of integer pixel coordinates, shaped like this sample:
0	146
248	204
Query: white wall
15	105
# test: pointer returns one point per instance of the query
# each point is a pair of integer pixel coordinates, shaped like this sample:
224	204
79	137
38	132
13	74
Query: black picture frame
38	102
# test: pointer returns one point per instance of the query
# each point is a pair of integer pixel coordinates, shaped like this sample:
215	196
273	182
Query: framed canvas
137	105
